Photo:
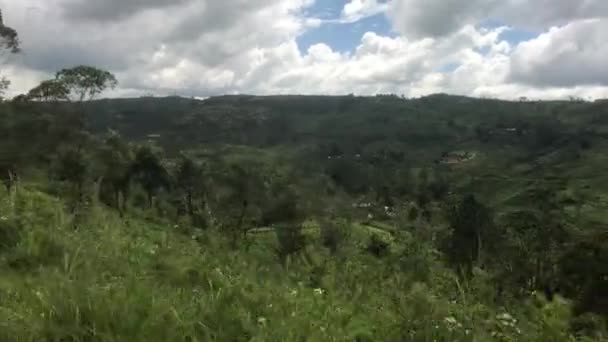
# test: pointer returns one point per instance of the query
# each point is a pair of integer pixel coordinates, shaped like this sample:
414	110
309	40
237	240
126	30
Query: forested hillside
299	218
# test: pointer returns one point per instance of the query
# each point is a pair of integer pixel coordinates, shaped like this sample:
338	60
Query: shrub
333	234
413	214
377	247
9	234
290	240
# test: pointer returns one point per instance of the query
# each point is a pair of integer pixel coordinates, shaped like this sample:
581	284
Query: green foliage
148	170
471	223
334	233
190	179
584	273
146	282
299	195
49	90
9	41
115	158
8	37
377	246
84	82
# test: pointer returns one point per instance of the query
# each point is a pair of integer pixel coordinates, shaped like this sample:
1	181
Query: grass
116	280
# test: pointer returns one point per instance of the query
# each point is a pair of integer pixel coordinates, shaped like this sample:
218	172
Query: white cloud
566	56
208	47
432	18
355	10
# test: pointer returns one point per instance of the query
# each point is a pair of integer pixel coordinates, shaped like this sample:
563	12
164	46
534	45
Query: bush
412	214
588	325
333	234
377	247
9	234
290	240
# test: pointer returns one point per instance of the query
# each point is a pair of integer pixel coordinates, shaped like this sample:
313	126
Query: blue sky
342	37
345	37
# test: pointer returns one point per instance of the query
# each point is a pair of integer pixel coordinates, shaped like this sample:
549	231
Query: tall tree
148	171
9	42
190	180
74	166
84	83
48	91
471	222
78	85
116	158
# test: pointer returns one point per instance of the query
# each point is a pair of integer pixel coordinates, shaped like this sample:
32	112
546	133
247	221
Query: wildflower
319	291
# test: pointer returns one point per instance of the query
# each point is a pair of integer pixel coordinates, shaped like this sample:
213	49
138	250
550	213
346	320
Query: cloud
543	14
567	56
356	10
209	47
434	18
111	10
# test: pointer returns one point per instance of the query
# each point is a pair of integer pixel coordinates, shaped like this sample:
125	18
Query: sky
541	49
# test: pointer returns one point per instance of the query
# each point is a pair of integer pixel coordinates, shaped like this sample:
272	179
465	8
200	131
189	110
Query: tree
48	91
18	150
77	85
244	186
148	171
84	83
9	41
288	216
116	158
189	180
73	166
471	223
584	272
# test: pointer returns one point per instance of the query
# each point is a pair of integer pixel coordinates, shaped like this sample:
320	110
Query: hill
295	217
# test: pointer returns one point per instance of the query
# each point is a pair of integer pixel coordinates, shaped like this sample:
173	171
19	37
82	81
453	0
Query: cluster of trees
529	250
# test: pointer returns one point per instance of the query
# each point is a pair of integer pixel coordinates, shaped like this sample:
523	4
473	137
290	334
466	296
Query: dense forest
299	218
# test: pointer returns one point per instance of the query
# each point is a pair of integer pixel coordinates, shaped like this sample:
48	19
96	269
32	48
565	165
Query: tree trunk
150	200
8	182
80	192
117	199
190	204
479	258
238	229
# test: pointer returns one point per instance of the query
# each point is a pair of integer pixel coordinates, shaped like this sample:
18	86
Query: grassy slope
115	280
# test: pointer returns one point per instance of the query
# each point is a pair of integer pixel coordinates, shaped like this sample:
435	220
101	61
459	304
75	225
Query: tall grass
113	279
